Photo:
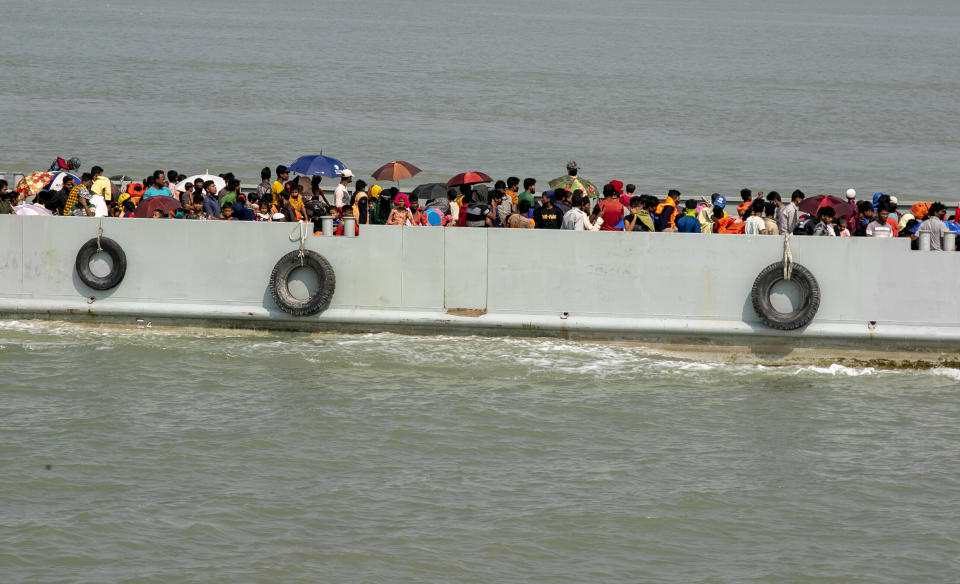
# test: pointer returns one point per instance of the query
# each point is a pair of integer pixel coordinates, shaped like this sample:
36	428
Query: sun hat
851	194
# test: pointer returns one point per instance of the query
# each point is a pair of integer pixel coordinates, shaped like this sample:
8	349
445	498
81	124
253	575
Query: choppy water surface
191	456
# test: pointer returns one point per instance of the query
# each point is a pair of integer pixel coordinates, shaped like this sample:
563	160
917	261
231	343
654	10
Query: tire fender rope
96	245
789	271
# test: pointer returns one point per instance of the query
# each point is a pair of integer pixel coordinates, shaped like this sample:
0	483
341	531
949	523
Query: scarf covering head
375	191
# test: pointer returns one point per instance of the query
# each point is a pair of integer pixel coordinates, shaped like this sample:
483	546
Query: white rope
787	257
99	235
302	226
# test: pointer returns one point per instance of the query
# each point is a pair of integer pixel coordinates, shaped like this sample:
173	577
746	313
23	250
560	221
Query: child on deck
347	211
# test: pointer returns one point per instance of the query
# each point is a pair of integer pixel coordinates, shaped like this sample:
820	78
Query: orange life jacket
668	203
729	225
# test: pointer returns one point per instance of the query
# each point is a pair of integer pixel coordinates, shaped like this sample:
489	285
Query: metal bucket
949	241
326	225
349	226
925	241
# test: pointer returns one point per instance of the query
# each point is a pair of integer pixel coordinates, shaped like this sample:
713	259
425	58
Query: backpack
804	226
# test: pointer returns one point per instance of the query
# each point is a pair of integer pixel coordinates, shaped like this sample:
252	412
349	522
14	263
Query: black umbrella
430	191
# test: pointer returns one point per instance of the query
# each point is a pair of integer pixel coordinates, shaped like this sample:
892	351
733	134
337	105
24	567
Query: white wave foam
953	374
838	370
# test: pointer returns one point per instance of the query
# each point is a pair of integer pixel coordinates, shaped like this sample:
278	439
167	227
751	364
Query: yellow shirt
276	189
101	186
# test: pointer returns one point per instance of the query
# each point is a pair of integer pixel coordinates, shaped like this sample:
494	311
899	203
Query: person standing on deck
547	215
211	206
79	195
667	212
341	195
787	221
529	190
578	217
159	188
609	208
101	184
688	223
263	189
769	214
934	225
825	226
277	187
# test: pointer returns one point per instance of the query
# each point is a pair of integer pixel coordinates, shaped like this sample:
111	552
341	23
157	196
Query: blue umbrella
317	164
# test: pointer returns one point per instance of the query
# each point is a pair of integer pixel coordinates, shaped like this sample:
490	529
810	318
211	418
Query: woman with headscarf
359	203
381	210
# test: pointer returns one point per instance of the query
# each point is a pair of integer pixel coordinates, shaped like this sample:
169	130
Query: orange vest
729	225
668	203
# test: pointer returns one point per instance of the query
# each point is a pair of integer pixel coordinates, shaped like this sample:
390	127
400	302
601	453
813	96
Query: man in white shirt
754	223
341	196
577	219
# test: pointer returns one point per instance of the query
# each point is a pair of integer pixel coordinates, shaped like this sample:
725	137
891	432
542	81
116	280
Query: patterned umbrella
56	183
33	183
395	171
572	183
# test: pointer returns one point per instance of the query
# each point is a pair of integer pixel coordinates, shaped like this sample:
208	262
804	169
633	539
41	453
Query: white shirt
754	225
341	196
99	206
577	220
875	229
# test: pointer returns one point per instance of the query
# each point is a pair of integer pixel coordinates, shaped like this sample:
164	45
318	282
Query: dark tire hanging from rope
86	253
280	283
809	297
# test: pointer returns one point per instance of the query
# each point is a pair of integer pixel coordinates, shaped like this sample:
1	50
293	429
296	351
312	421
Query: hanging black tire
809	297
86	253
280	283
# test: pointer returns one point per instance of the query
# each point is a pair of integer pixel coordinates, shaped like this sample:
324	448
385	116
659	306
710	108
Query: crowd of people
509	204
